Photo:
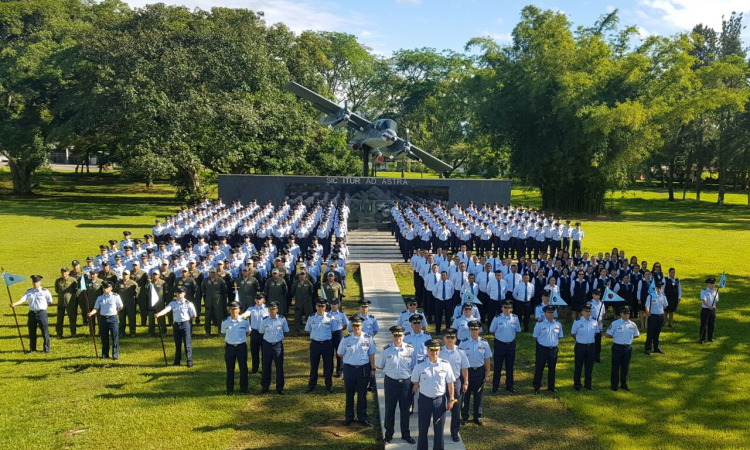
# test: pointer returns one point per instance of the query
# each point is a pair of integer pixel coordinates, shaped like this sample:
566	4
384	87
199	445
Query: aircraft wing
325	106
428	160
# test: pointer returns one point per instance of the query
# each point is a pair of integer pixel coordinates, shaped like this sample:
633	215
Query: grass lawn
692	397
69	399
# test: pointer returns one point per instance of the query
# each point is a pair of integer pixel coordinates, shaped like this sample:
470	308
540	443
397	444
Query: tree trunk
21	178
189	188
670	180
688	171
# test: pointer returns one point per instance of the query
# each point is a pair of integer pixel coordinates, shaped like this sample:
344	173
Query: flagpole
18	327
161	336
90	319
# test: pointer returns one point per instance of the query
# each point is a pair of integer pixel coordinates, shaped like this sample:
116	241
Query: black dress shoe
348	422
614	389
590	388
536	391
456	438
190	364
409	439
479	422
712	340
494	389
175	363
330	390
310	389
280	392
658	350
511	389
229	392
625	388
552	390
365	423
577	388
245	391
263	391
387	440
648	352
598	360
463	421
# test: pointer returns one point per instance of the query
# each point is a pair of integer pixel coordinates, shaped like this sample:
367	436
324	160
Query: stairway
371	245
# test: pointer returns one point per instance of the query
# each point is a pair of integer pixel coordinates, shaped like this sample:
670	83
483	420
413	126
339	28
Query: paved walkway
380	287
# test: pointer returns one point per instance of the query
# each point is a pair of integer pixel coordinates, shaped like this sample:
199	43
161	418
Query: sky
389	25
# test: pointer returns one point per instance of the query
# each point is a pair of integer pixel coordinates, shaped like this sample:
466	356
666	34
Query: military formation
241	268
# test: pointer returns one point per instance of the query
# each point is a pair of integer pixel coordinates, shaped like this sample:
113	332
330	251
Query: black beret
710	280
468	305
273	305
432	344
365	303
450	332
474	325
396	330
36	278
126	233
549	308
507	304
75	262
89	259
546	292
415	318
234	305
586	307
625	309
181	289
355	320
106	285
113	241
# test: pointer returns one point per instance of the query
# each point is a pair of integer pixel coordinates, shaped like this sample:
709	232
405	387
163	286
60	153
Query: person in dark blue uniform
235	330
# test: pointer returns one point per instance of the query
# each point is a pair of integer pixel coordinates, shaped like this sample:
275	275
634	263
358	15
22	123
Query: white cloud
499	21
366	34
416	2
685	14
500	37
610	8
297	15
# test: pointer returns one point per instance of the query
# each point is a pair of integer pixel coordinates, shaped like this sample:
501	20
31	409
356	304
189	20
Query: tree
33	34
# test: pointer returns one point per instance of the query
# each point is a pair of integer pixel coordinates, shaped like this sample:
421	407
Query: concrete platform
380	287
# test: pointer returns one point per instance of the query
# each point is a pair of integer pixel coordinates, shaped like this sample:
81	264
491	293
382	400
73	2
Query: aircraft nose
388	136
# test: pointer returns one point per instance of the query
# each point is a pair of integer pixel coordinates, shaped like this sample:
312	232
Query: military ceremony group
499	270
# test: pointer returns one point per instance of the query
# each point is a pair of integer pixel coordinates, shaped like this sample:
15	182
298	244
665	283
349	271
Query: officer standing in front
397	360
460	364
479	354
321	326
39	299
182	311
656	303
709	298
273	328
235	330
358	353
584	331
432	378
505	327
622	330
108	305
547	334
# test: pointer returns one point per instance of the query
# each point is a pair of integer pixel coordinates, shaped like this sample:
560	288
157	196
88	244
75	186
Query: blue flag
723	280
11	279
467	296
323	293
556	300
652	289
83	283
610	296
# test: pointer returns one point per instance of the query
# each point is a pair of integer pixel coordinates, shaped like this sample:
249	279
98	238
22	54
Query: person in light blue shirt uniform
411	309
182	311
584	331
39	299
443	293
369	322
358	352
273	328
108	305
235	329
655	305
709	298
321	326
460	365
505	327
547	334
479	353
397	360
462	323
622	331
256	314
432	379
338	335
417	337
458	312
539	310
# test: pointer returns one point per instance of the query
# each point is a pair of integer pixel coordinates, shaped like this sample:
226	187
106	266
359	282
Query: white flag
610	296
154	296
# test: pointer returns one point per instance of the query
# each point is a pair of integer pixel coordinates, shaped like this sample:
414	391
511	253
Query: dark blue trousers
355	382
273	352
456	411
319	350
397	392
545	356
236	354
621	355
584	356
182	335
431	410
256	343
338	335
505	355
38	319
476	388
108	326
